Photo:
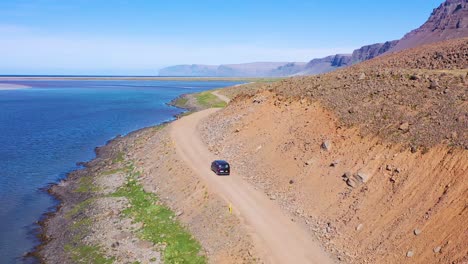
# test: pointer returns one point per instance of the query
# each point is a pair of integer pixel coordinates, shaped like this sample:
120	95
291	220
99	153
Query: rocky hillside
448	21
371	158
416	97
255	69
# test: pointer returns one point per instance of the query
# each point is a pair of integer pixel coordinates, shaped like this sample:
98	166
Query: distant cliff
334	62
448	21
189	70
280	69
255	69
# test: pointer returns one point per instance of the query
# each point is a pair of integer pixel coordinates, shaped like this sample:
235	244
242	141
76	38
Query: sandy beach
11	86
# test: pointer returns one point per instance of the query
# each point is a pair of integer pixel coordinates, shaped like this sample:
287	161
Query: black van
220	167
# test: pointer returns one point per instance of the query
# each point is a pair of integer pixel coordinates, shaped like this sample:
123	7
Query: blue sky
140	36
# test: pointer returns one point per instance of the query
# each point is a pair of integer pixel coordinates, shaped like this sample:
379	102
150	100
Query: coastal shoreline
71	178
65	190
58	191
136	78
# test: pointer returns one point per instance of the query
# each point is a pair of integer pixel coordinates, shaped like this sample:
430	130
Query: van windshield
223	166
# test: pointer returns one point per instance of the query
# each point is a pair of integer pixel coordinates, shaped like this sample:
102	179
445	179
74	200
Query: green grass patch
160	226
181	102
87	254
207	99
186	113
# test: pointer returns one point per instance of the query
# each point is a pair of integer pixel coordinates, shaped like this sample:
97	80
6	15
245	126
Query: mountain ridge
448	21
252	69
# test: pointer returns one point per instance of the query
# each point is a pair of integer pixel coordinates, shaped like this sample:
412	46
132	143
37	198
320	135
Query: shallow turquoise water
46	130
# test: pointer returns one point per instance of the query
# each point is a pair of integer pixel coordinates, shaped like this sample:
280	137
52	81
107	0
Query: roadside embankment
367	199
373	158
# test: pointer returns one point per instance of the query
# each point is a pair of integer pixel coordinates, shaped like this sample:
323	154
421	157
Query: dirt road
278	239
222	97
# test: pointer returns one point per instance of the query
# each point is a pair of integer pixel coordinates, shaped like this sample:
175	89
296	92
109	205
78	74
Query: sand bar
11	86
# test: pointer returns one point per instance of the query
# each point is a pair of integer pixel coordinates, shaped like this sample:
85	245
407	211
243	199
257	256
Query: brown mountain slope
426	87
445	55
448	21
372	159
365	199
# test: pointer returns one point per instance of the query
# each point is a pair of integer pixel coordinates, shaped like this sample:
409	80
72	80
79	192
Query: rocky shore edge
61	192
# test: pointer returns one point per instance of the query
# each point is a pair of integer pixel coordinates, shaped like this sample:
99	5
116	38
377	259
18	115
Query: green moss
160	225
78	208
158	127
87	254
119	158
81	224
114	171
86	185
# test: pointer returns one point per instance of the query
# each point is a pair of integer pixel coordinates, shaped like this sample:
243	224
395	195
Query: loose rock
351	183
359	227
417	232
362	177
404	126
437	249
258	100
410	253
326	145
434	85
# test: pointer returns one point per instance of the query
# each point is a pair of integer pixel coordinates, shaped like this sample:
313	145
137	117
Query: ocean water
46	130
